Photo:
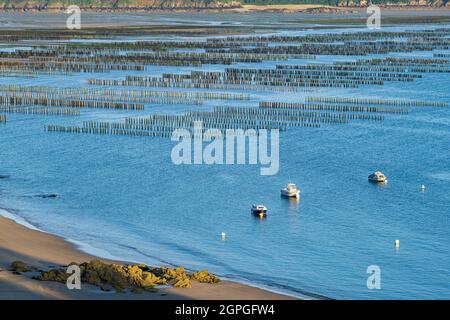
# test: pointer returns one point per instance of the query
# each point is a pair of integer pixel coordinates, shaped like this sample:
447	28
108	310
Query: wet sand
43	251
249	17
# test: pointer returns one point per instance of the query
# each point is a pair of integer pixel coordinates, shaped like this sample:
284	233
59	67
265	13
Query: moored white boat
290	191
377	177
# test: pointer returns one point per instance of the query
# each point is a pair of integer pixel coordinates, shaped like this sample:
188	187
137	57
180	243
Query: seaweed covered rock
172	273
183	283
176	277
111	274
136	278
58	275
134	274
91	277
20	266
205	277
151	280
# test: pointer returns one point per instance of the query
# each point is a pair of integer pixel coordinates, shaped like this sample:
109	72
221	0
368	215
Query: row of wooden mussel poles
99	57
372	101
159	82
347	48
54	101
233	41
291	115
153	126
126	95
34	64
46	100
291	77
40	111
54	60
269	115
331	107
88	100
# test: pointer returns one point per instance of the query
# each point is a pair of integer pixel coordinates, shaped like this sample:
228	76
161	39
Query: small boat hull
377	179
260	213
290	191
287	194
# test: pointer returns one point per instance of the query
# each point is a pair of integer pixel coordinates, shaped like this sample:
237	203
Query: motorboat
259	210
290	191
377	177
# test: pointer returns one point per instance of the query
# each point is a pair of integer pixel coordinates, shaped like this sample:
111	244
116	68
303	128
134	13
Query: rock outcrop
135	278
20	266
205	277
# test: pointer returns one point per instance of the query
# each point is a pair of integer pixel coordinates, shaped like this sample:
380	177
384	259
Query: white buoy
397	243
222	235
422	187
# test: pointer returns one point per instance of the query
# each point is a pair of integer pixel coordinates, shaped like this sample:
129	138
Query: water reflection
294	205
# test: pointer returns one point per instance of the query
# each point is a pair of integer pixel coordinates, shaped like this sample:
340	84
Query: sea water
124	197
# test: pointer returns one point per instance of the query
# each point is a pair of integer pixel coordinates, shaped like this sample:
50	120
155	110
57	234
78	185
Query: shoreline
20	240
148	23
243	8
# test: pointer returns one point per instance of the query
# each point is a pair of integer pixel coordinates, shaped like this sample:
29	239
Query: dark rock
20	266
47	196
58	275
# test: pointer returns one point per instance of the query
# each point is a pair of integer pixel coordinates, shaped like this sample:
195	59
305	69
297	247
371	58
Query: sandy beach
44	251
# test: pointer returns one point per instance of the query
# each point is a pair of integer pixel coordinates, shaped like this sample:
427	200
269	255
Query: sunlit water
124	197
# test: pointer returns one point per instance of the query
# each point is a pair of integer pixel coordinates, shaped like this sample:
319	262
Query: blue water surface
125	197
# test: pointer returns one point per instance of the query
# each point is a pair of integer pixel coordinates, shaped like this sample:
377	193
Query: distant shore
317	8
45	251
238	8
212	23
